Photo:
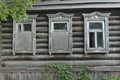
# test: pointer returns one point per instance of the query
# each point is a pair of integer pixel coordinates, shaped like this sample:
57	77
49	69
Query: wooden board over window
60	33
24	36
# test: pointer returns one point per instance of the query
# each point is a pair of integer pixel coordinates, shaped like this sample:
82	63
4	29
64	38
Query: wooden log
78	34
6	41
77	62
42	40
114	49
42	30
117	22
7	29
114	44
6	35
77	23
78	44
42	50
114	17
77	18
6	24
78	39
41	19
42	23
114	38
77	29
6	45
42	45
78	50
42	35
114	33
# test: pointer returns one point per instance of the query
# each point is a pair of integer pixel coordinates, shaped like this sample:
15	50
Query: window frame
31	20
95	31
60	17
59	30
96	17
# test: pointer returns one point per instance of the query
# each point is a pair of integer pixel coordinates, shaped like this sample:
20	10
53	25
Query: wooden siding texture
42	28
39	73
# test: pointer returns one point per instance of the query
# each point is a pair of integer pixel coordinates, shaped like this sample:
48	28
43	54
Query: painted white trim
96	17
31	21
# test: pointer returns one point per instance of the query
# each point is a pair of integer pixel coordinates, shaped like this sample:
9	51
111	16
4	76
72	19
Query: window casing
60	33
24	36
96	35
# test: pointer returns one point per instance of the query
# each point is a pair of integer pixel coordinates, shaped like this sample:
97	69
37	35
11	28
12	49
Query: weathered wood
42	35
44	45
78	50
42	40
42	50
78	44
78	39
79	23
67	5
75	62
114	38
19	73
42	23
114	49
117	22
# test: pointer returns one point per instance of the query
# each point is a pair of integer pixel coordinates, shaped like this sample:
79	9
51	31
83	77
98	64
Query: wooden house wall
42	34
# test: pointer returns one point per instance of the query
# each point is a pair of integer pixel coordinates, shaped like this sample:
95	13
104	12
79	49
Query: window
24	36
60	33
22	27
60	26
96	35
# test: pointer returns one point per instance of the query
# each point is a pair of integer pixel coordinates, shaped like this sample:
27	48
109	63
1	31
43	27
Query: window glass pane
27	27
99	39
96	25
92	40
60	26
19	27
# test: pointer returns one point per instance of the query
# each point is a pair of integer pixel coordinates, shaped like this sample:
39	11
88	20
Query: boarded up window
60	29
24	36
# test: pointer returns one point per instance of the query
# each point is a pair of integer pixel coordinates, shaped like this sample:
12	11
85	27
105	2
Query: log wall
42	35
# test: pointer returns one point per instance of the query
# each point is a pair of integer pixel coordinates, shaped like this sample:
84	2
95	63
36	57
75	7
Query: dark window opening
60	26
27	27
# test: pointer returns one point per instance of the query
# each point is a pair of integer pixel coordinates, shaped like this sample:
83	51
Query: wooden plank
74	6
75	62
75	1
66	57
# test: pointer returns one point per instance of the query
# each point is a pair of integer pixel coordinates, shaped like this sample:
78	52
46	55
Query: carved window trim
31	20
60	18
96	17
